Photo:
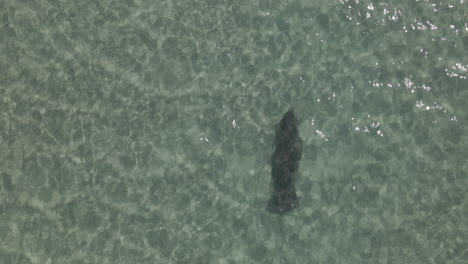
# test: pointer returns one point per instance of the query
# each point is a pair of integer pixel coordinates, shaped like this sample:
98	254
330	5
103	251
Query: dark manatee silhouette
284	165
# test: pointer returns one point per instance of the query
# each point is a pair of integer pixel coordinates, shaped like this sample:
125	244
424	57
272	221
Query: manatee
284	165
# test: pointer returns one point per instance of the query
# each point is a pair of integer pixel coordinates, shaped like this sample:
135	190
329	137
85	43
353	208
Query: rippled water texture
141	131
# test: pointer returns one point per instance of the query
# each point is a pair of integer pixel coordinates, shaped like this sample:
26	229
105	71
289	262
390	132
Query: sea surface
141	131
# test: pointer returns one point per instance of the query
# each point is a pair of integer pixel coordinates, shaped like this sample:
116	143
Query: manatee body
284	165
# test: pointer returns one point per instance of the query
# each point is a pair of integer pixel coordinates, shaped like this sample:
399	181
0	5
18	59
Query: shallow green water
141	131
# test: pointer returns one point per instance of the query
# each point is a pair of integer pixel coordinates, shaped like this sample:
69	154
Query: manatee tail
283	202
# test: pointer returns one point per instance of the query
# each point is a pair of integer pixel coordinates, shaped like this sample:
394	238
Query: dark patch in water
284	165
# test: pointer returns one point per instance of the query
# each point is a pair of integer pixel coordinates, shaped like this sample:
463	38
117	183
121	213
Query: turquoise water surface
141	131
